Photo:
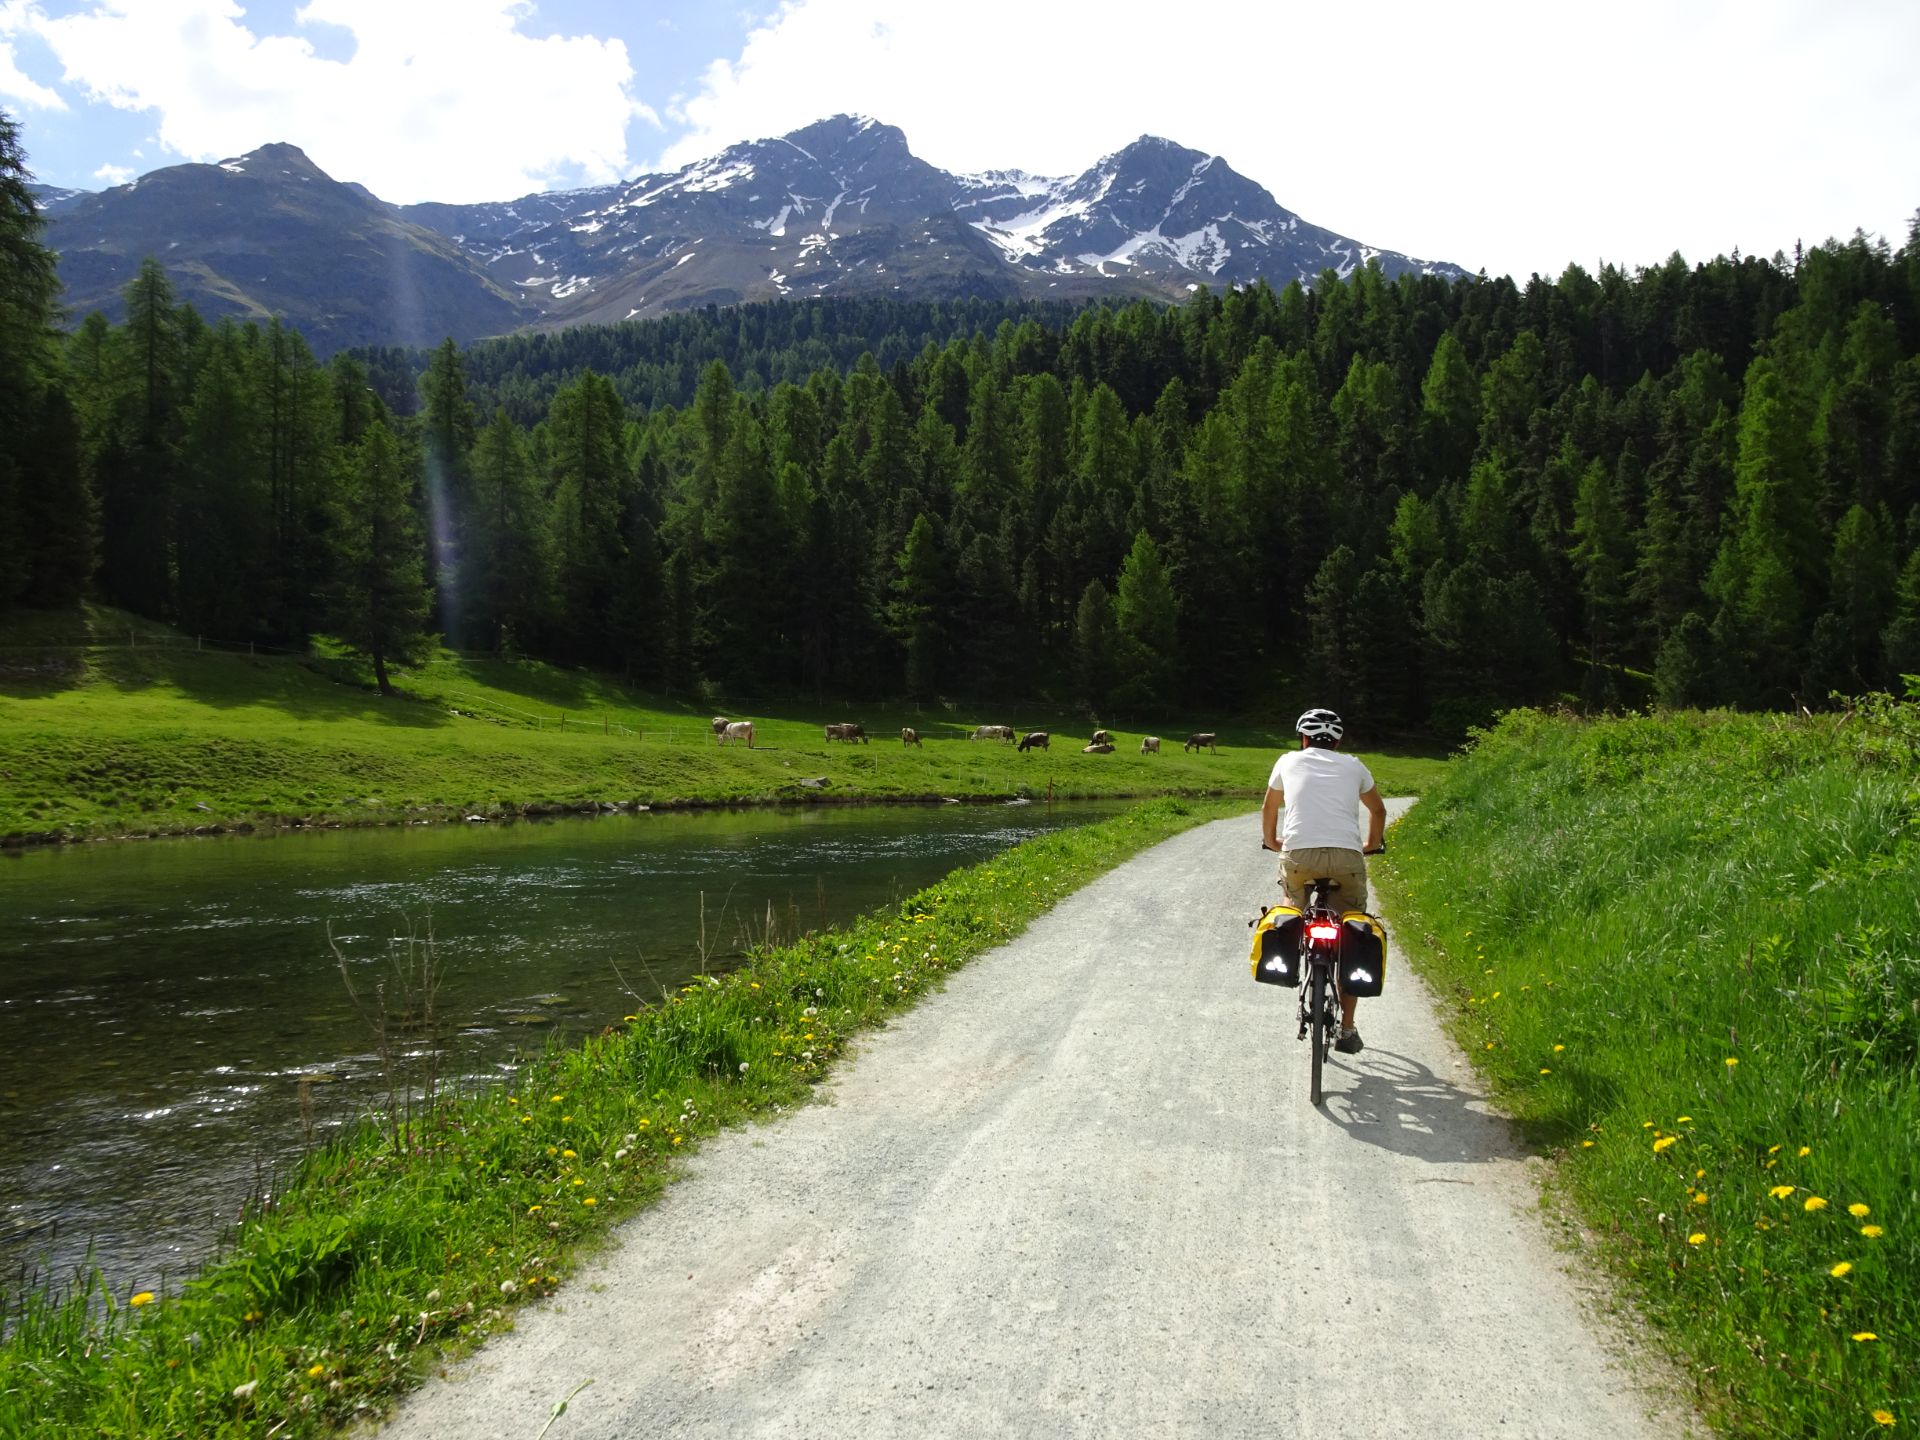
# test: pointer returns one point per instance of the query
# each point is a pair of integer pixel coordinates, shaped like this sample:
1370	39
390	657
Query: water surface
167	1007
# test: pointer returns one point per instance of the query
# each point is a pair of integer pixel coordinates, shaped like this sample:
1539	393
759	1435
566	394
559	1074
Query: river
175	1025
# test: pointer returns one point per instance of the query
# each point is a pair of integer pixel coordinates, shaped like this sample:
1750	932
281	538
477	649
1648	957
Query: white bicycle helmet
1320	724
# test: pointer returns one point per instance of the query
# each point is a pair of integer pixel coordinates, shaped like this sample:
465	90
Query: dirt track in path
1081	1192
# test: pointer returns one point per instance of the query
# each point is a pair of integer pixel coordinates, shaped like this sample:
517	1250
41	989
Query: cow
1099	747
848	732
909	735
1101	737
1035	740
738	730
1200	740
719	723
992	732
1149	744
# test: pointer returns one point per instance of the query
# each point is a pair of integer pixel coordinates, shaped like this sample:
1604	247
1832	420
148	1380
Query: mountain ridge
838	207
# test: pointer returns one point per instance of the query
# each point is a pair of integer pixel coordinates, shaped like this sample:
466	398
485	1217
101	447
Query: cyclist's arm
1270	819
1376	818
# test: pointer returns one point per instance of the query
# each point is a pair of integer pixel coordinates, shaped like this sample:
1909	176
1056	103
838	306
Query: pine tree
1602	558
506	570
447	429
380	599
1093	642
1146	629
918	592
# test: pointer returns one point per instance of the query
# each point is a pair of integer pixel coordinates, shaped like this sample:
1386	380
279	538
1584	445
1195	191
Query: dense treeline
655	363
1422	498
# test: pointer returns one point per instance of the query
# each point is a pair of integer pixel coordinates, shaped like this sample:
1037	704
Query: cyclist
1322	791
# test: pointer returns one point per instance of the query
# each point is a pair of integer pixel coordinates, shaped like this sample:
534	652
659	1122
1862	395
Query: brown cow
909	735
719	723
1035	740
992	732
1101	737
1200	740
738	730
1100	747
848	732
1149	744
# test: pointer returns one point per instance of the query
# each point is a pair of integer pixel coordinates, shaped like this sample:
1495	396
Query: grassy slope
155	737
387	1250
1683	949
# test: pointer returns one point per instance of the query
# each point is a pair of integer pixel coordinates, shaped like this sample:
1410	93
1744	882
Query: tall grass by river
1685	949
423	1234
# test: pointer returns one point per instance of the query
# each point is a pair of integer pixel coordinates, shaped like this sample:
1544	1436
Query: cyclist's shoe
1349	1042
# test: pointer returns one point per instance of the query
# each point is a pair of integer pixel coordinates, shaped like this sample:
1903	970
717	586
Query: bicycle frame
1319	990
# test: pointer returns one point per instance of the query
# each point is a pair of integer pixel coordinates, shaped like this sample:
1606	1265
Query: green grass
111	726
1683	949
420	1235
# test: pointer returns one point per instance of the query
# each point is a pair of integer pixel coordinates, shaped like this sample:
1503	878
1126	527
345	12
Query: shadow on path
1393	1101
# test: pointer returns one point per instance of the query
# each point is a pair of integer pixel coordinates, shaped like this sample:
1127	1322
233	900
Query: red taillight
1324	932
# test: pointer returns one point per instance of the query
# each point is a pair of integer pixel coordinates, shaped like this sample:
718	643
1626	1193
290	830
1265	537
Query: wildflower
1814	1202
1883	1417
558	1098
533	1209
553	1149
629	1018
145	1297
513	1099
1859	1212
1699	1197
578	1181
1586	1144
1780	1192
565	1118
1805	1150
1732	1060
1698	1237
568	1155
507	1287
1558	1048
316	1371
676	1139
645	1123
1845	1267
1773	1149
589	1201
245	1392
1865	1335
1545	1071
743	1067
1684	1120
1662	1143
1872	1232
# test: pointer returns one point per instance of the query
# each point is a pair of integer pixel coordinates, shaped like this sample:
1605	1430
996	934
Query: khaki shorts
1348	868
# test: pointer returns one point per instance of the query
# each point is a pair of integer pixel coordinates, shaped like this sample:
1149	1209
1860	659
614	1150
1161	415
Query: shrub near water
1685	950
352	1281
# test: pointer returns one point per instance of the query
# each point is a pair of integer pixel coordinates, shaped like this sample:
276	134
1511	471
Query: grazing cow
848	732
909	735
1035	740
992	732
1101	737
719	723
738	730
1149	744
1099	747
1200	740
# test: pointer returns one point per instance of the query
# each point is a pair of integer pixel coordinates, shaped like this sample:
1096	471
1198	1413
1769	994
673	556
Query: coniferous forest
1424	500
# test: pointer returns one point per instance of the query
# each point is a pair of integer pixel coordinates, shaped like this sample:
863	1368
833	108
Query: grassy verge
1683	948
425	1232
110	726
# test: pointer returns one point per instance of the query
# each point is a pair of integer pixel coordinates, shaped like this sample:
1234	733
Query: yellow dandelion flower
1684	1120
1814	1202
1558	1048
589	1201
1700	1174
553	1149
1646	1125
1864	1335
1780	1192
568	1155
1883	1417
513	1099
533	1209
1872	1232
1805	1150
1699	1197
1698	1237
558	1098
315	1372
1763	1223
1859	1212
145	1297
676	1139
644	1124
1662	1143
1845	1267
578	1181
1732	1060
1773	1149
1545	1071
1586	1144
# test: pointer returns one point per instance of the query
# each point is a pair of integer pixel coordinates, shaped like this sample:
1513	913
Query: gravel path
1081	1192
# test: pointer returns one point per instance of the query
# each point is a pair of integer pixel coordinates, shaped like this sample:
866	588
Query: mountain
271	234
842	207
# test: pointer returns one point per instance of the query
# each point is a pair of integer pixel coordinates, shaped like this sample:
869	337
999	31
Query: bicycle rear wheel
1318	1038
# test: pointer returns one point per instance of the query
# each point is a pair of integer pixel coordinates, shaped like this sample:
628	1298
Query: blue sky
1508	135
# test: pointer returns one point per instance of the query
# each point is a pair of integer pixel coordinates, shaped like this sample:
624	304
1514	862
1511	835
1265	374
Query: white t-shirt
1322	789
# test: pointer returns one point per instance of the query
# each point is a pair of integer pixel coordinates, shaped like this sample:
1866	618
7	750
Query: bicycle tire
1318	1039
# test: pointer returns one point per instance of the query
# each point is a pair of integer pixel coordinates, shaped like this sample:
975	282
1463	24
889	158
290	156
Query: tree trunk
380	673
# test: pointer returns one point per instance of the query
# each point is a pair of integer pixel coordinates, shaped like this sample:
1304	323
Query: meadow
1683	949
113	726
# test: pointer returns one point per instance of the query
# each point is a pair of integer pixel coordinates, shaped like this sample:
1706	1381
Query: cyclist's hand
1266	844
1379	849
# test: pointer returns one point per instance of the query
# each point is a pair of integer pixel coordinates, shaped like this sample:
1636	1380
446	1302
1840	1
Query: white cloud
1503	133
15	84
441	100
114	174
